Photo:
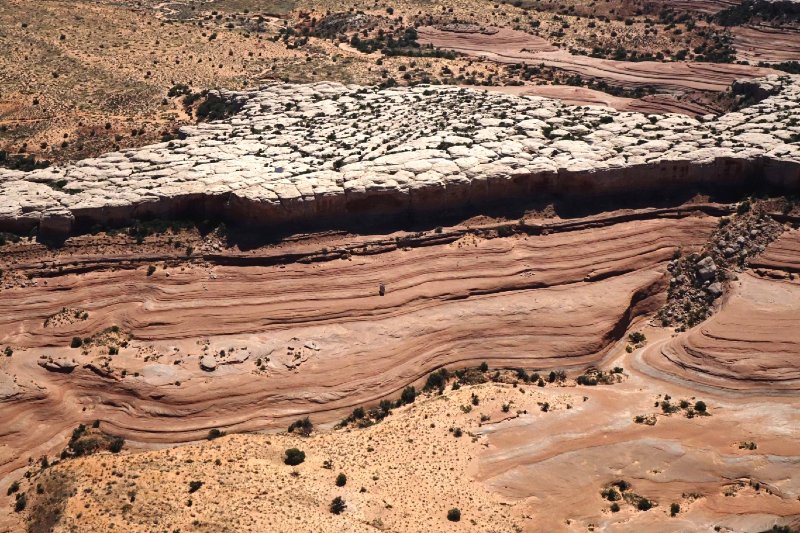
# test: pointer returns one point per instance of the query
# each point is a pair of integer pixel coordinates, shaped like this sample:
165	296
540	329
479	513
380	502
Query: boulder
706	268
208	363
61	365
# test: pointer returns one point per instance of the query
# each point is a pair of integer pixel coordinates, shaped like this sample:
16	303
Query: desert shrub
644	504
83	442
341	480
636	337
437	380
294	457
622	485
700	406
151	270
116	444
304	427
21	503
454	514
215	434
358	413
77	342
216	108
615	507
338	505
178	89
484	367
408	395
384	409
667	407
14	487
194	486
674	509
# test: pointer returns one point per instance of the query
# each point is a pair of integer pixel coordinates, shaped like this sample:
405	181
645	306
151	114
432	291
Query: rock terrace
300	152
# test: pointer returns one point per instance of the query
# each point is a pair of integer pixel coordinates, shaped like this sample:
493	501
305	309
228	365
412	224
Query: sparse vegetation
294	457
302	427
338	505
215	434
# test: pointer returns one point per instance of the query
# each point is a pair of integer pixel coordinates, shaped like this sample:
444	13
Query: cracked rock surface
300	152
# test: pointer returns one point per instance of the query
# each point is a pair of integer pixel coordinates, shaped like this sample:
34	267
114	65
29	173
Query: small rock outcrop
61	365
208	363
697	280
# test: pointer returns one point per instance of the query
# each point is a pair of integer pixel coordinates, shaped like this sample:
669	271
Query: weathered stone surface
208	363
328	151
706	268
62	365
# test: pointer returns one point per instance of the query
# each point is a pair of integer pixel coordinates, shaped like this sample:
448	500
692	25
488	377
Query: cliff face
302	153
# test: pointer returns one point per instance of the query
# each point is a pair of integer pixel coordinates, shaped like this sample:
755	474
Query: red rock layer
751	343
534	301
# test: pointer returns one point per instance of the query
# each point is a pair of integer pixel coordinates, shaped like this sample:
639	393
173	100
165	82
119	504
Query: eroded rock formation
327	152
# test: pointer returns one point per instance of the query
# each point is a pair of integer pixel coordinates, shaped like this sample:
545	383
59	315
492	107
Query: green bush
408	395
644	504
294	457
303	426
116	444
636	337
215	434
454	514
341	480
21	503
437	379
77	342
674	509
700	406
194	486
178	89
338	505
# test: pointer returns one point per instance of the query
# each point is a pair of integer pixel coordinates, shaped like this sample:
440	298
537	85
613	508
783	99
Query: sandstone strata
327	152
